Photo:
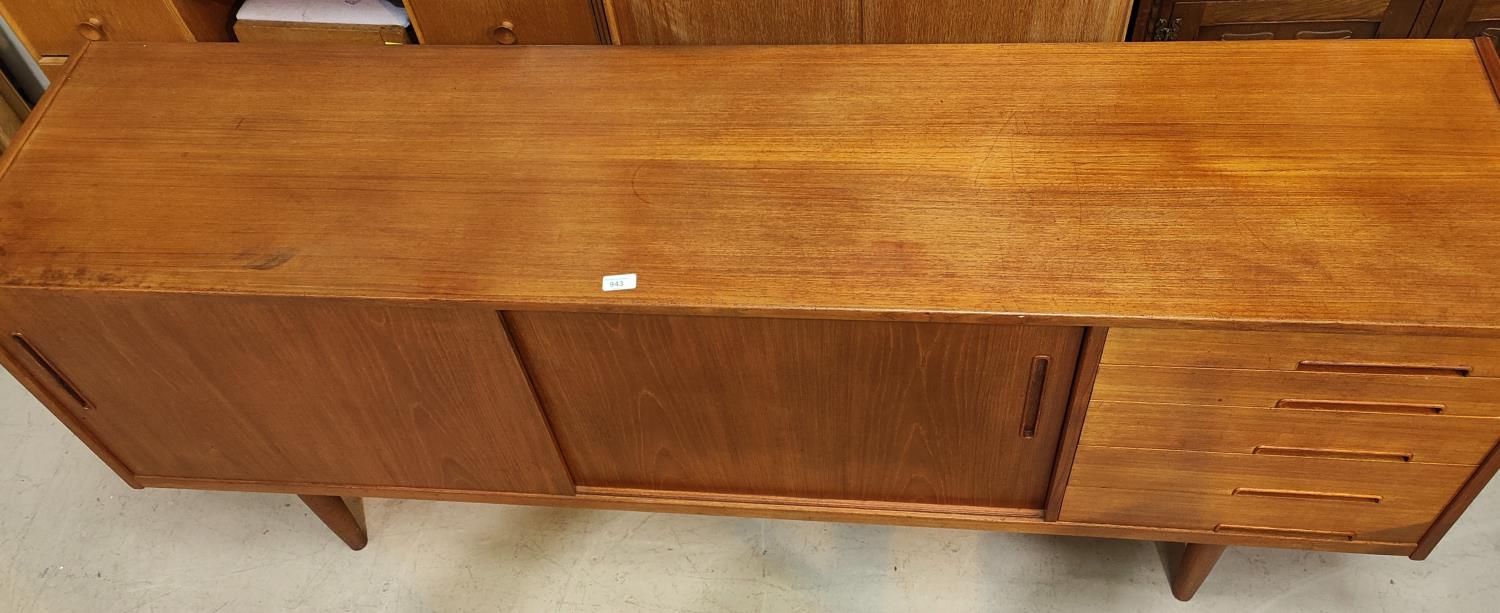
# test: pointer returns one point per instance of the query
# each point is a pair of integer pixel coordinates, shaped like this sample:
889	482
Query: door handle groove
1034	387
1301	495
1336	454
52	371
1354	406
1283	532
1371	368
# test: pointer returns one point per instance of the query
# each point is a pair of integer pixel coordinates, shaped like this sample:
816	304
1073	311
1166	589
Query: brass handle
1325	34
505	33
91	28
1034	388
1250	36
52	371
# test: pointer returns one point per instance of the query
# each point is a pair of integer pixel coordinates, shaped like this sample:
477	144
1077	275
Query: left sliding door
290	391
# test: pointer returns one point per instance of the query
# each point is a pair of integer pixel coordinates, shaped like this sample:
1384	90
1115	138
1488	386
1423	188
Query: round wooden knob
504	34
92	29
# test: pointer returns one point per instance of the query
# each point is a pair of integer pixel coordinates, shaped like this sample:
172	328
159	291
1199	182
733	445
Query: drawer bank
1203	293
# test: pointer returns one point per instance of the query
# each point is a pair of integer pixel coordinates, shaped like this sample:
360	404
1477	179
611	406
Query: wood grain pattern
1286	350
1228	429
1195	490
298	391
1284	19
735	22
995	21
900	412
1460	396
1491	59
301	32
535	22
1301	167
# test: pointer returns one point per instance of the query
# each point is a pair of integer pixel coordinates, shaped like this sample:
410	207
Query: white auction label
617	283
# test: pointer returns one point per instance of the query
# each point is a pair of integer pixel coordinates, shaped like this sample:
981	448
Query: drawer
507	22
1259	495
1299	390
1288	432
1291	19
1435	355
735	22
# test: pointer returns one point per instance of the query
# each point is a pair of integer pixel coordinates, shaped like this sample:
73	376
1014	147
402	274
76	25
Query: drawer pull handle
1300	495
1353	406
91	29
52	371
1247	36
505	34
1336	454
1383	369
1324	34
1034	388
1284	532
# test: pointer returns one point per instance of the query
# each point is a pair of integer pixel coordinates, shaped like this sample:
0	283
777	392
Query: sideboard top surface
1319	185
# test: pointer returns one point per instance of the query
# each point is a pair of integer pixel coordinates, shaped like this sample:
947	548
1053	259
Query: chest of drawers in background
53	30
1291	435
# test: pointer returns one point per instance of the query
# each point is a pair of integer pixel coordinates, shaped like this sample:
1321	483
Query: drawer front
735	22
61	28
1301	390
1435	355
1289	432
1258	494
507	22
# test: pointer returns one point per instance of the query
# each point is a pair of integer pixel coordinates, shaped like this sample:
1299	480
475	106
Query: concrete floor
73	538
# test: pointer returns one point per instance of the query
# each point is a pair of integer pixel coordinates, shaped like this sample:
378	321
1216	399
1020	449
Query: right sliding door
896	412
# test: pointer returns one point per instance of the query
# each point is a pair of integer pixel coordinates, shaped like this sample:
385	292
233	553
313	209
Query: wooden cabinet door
1284	19
734	22
1467	19
995	21
896	412
288	391
508	22
60	27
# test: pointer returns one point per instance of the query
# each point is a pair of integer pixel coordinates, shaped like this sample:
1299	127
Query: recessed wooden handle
1301	495
505	33
1324	34
1352	406
91	28
1034	388
1334	454
1370	368
52	371
1284	532
1248	36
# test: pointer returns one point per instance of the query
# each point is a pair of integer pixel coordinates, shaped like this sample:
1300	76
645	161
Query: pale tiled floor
73	538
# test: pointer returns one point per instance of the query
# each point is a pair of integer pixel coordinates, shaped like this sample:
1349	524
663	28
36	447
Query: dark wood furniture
1238	20
1205	293
724	22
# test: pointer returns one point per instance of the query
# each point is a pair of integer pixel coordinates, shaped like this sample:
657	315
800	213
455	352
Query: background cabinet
730	22
990	21
922	413
288	391
1275	19
56	29
508	22
1467	18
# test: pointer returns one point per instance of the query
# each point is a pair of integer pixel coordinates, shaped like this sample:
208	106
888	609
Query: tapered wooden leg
344	516
1196	562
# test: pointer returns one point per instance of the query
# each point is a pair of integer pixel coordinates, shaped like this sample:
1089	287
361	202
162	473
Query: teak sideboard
1203	293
